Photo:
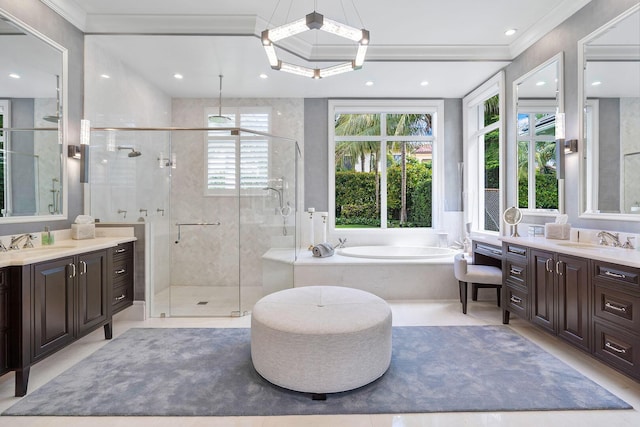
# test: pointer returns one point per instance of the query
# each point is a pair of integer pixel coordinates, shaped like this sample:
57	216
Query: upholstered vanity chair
480	276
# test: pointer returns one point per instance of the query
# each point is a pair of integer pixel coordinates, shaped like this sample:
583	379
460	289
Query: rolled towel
322	250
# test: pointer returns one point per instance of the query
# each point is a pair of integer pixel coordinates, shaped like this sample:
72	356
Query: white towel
322	250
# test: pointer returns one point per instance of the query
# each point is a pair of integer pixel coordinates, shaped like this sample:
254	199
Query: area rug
204	372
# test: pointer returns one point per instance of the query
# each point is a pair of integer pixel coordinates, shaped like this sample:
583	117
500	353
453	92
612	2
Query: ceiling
452	45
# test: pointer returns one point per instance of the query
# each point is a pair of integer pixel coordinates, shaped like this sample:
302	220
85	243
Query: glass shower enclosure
218	209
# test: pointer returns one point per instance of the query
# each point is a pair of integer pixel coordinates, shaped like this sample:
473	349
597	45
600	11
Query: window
483	125
237	162
537	181
383	169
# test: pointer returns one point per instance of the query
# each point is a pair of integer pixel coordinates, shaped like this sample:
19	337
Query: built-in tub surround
400	279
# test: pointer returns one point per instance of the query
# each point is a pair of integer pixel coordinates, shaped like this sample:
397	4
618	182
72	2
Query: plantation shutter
249	166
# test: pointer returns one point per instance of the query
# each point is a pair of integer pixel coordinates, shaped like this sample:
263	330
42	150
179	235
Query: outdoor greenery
358	179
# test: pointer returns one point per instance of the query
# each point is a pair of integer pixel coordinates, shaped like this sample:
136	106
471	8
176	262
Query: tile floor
406	313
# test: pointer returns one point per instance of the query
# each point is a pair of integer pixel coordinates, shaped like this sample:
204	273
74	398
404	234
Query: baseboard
138	311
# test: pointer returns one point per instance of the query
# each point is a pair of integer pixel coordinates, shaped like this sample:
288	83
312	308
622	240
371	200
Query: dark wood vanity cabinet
515	288
561	296
616	314
53	303
121	271
591	304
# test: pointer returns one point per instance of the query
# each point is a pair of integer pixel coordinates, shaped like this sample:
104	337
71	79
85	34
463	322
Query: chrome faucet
15	239
122	211
628	244
3	248
613	237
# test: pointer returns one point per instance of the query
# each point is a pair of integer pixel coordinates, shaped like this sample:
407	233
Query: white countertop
628	257
60	249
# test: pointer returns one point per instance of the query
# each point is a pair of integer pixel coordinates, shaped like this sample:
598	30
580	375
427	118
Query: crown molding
171	24
70	11
552	19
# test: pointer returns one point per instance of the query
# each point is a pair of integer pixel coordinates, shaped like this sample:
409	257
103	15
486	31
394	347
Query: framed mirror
33	149
538	99
609	96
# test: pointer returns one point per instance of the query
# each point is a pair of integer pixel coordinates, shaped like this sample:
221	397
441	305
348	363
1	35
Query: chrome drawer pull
558	270
615	348
616	275
615	307
515	271
120	298
119	251
122	270
514	299
522	252
496	251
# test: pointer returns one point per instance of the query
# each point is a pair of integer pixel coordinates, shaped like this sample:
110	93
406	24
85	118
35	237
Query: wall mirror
32	118
538	98
609	85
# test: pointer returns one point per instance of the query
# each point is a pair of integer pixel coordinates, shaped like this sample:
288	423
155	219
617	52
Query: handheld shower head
133	152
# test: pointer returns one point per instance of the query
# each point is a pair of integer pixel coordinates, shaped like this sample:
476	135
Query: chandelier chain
273	13
357	14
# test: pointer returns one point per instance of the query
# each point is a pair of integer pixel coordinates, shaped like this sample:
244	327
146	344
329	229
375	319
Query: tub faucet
614	238
122	211
342	242
15	239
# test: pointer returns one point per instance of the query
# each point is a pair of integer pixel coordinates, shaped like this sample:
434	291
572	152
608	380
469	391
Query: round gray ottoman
321	339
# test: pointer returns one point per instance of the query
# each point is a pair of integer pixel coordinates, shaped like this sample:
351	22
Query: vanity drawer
515	252
618	348
617	307
516	301
122	271
122	297
515	273
488	250
617	274
123	251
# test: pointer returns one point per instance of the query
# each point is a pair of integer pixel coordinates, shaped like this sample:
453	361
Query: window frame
473	157
372	106
237	112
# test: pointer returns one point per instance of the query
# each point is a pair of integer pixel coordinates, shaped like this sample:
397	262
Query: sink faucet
3	248
628	244
613	237
15	239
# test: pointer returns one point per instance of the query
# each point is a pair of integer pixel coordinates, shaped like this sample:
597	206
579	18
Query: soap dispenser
46	237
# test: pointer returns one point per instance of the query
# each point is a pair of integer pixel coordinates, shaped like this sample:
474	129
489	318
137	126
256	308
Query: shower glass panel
219	209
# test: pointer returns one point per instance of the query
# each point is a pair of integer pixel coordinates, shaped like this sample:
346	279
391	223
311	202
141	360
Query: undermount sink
579	245
39	249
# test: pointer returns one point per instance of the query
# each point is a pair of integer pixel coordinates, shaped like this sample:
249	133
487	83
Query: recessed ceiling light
178	76
105	76
510	32
424	83
541	83
14	76
596	83
264	76
369	83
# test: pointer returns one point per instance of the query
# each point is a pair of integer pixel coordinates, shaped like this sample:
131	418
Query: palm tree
403	125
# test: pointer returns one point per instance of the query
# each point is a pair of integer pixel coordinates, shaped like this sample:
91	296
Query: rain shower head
133	152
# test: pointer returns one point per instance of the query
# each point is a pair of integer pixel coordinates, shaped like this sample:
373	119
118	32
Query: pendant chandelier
315	21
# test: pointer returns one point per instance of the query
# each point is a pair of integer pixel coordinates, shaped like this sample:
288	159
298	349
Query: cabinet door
92	291
544	289
573	300
52	305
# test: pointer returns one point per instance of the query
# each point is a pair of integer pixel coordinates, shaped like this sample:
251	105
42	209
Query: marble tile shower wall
46	144
208	256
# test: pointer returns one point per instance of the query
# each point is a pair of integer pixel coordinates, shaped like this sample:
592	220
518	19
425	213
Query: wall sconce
165	162
571	146
73	152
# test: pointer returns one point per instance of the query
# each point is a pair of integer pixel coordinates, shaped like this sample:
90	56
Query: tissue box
557	231
83	231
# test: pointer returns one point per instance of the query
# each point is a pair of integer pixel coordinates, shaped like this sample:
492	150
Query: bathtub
396	252
392	273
